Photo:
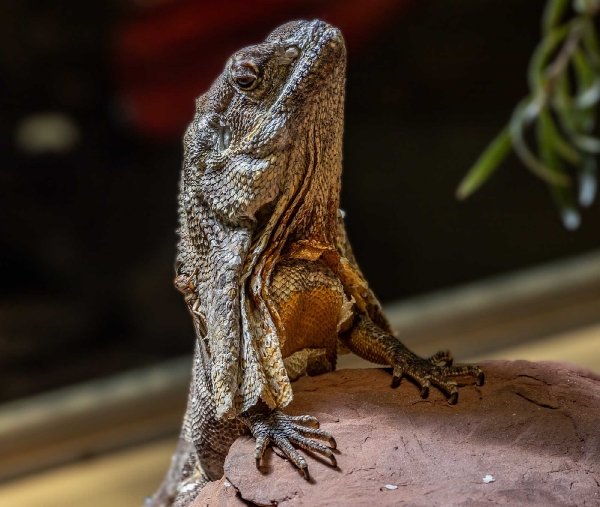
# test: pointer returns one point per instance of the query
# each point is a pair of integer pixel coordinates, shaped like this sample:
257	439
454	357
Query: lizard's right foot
284	430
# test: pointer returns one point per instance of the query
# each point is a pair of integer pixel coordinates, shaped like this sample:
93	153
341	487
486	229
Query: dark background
87	239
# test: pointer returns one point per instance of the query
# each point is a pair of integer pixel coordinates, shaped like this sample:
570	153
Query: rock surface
533	427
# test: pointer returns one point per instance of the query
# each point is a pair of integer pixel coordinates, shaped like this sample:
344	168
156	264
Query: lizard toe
291	453
311	445
309	420
428	372
444	356
465	370
314	433
262	441
287	431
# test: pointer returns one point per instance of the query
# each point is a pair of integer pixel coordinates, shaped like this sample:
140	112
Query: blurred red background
168	52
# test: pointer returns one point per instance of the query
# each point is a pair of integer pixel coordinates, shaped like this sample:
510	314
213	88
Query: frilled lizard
264	263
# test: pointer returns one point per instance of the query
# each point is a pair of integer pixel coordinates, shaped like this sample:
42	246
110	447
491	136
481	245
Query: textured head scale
261	180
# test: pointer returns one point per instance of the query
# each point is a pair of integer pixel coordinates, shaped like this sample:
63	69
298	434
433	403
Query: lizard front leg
370	342
285	431
203	445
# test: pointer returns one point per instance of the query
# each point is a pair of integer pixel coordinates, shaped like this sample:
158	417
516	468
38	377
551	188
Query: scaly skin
264	263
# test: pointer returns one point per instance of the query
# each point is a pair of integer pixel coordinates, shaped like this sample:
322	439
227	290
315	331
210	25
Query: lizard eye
245	73
245	82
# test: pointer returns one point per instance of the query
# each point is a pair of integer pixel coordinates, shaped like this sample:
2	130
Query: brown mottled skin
263	261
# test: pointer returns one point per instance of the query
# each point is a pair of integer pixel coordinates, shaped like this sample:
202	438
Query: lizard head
249	141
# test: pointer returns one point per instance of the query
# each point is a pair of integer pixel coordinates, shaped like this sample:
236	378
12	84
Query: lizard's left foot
284	430
428	371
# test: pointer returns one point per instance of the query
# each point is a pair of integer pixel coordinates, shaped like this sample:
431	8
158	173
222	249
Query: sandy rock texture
533	427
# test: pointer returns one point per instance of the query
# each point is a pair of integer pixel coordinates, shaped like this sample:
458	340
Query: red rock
219	493
534	427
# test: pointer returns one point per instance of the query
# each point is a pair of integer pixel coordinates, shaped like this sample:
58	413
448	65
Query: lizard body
264	263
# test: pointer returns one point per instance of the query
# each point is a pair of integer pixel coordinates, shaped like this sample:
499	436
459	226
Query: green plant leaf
558	143
590	144
486	164
590	41
524	114
553	13
576	123
544	50
562	98
564	82
589	98
588	182
588	83
563	196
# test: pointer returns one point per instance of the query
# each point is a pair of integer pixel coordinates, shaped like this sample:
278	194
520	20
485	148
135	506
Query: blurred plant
564	83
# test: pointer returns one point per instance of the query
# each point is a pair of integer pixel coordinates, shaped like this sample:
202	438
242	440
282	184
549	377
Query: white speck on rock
390	486
226	484
488	478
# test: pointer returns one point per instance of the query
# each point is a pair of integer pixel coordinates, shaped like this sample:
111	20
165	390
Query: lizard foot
429	371
284	430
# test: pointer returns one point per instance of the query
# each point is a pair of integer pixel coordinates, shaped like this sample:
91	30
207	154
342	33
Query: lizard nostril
292	52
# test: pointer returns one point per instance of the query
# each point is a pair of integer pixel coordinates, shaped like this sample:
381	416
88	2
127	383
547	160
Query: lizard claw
429	371
283	431
305	472
453	398
332	443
